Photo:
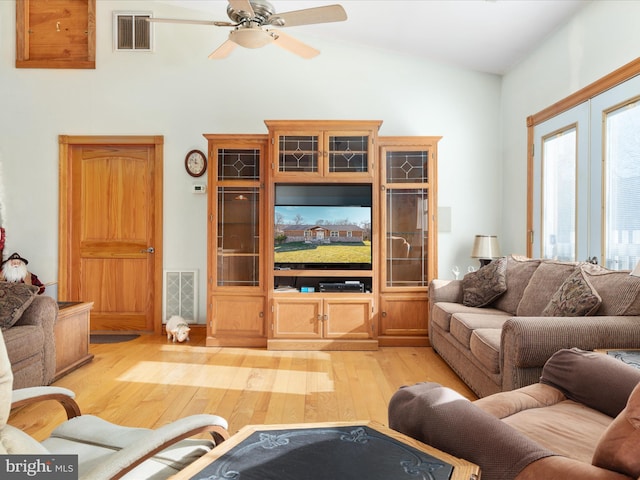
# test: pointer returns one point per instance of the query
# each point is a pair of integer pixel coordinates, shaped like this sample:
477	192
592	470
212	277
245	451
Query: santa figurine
14	269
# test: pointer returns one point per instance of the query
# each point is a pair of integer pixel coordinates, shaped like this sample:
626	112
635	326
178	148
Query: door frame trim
65	207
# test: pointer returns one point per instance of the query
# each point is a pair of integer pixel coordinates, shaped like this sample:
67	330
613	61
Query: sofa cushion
544	282
483	286
14	300
463	324
568	428
575	298
619	447
485	346
442	312
619	291
518	274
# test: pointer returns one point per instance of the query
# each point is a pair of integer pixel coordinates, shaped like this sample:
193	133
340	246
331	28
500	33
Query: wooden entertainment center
257	299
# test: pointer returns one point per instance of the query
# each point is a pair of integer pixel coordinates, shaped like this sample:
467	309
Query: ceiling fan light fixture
251	37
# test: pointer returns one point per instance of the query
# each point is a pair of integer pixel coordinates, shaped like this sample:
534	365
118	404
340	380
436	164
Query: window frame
587	93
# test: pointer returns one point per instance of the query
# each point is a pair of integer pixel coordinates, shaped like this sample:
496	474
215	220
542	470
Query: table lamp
485	248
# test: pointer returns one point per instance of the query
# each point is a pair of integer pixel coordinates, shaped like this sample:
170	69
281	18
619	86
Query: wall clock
196	163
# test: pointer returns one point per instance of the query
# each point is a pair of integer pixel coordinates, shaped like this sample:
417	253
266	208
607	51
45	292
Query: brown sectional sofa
503	344
581	421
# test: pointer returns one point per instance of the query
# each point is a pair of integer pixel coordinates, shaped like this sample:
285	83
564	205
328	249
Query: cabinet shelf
322	273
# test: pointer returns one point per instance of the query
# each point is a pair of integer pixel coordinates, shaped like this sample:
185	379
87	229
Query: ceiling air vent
131	31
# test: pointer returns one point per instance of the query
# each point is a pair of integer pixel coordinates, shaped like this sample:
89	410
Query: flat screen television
322	227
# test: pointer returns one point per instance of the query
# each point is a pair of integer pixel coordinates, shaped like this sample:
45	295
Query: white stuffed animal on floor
177	329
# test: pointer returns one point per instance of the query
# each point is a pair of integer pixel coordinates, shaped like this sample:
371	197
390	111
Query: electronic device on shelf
342	287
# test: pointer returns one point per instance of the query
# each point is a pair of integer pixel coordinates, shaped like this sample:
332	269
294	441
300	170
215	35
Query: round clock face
196	163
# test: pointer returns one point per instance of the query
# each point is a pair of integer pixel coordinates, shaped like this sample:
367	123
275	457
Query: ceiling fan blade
191	22
242	6
223	50
327	14
293	45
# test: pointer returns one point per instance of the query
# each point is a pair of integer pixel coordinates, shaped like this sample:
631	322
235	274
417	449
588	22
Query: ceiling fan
248	17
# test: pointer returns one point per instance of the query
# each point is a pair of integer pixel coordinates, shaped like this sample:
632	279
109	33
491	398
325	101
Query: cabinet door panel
404	315
297	318
241	316
348	318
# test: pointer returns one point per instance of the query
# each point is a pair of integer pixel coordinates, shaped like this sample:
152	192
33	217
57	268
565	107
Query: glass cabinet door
238	208
238	239
298	153
407	220
323	153
348	154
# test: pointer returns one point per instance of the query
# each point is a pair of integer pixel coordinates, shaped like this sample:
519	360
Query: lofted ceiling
490	36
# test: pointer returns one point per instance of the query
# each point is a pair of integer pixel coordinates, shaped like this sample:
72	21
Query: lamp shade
485	246
636	271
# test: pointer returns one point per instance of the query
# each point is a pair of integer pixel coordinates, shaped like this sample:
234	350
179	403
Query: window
584	180
559	162
621	184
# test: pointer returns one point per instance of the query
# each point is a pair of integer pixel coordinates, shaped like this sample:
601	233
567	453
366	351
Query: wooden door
110	250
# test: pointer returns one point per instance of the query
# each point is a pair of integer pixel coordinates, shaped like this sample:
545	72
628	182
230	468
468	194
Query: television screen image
322	236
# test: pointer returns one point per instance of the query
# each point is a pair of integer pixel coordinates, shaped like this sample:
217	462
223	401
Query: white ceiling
489	36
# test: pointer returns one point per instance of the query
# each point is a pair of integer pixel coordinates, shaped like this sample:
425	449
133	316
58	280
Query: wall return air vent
132	32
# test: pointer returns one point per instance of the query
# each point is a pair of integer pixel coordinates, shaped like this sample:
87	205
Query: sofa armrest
43	312
528	342
445	291
593	379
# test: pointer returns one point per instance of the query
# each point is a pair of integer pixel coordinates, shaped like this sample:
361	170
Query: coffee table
630	356
326	451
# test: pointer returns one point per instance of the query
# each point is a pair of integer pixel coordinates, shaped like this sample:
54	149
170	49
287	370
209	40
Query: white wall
177	92
601	38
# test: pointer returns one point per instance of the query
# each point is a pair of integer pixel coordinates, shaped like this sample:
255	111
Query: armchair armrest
157	440
43	312
27	396
528	342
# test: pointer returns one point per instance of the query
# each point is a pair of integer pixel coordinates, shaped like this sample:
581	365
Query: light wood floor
148	382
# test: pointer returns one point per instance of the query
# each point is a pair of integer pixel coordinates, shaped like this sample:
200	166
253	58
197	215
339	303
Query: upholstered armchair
105	451
581	421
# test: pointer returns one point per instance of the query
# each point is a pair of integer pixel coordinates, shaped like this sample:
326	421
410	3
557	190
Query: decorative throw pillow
544	283
483	286
619	447
620	292
14	300
519	272
575	298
